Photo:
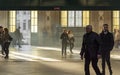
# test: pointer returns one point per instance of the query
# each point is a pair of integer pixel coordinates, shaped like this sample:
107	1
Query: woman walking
7	40
71	40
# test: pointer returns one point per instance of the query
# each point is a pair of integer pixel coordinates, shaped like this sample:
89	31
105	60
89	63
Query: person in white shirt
71	40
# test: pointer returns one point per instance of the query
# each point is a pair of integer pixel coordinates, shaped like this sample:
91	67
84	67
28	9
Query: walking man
64	38
90	50
18	37
106	47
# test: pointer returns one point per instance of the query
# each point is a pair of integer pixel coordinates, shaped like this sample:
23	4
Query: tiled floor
30	60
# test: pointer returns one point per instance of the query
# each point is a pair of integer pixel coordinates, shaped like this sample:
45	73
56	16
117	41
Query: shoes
71	52
110	73
6	57
3	53
20	47
102	73
99	74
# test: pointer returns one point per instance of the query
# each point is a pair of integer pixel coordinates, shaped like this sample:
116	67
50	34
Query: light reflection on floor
22	55
26	54
56	49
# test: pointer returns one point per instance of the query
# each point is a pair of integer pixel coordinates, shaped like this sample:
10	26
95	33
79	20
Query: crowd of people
94	46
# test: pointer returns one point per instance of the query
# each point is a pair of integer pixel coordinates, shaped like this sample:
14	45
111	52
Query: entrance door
23	21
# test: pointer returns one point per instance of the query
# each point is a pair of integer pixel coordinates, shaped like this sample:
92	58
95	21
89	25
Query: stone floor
31	60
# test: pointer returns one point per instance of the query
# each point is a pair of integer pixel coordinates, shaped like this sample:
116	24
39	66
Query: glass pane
85	18
116	21
32	22
64	14
115	13
35	22
36	14
34	29
78	18
12	28
64	18
12	20
71	16
32	14
13	14
84	22
64	22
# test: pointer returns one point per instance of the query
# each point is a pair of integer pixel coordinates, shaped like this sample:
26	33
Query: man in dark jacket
106	47
91	50
64	38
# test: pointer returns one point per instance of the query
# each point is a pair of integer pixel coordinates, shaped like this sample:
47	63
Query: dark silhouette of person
91	50
64	38
6	42
106	47
18	36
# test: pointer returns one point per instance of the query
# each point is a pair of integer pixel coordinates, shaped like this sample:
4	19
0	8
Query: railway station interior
40	51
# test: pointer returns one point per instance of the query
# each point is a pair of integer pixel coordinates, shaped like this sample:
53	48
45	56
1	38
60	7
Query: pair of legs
94	65
106	58
64	47
71	47
6	49
2	51
117	44
19	43
16	42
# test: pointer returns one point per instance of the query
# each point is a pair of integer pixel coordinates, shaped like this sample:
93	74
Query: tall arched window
74	18
34	21
78	18
116	19
64	18
71	18
12	21
85	18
